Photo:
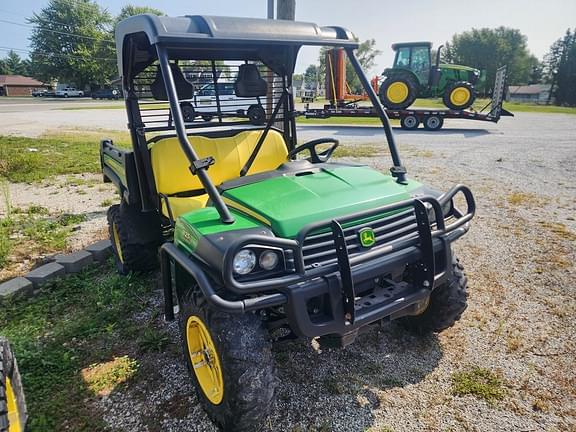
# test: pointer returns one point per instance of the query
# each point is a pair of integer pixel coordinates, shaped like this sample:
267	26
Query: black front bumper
356	290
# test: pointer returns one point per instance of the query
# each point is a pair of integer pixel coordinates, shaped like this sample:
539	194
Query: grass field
32	159
71	345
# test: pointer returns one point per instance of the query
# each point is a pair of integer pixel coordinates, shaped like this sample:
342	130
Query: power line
104	40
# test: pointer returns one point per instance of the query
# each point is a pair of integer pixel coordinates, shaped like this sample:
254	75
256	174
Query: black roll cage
199	166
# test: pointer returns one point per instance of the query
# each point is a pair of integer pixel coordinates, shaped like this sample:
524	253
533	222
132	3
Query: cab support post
197	167
397	170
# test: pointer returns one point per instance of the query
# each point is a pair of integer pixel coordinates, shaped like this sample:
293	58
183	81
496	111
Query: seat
249	83
184	89
184	191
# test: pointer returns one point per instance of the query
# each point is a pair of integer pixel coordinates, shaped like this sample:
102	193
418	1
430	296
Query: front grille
319	249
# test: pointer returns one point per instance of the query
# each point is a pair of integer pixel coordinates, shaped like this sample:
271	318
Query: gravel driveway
519	257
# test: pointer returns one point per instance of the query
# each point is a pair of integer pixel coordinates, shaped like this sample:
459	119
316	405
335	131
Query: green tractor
413	76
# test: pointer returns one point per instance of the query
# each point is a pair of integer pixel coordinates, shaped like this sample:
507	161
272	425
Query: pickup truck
69	92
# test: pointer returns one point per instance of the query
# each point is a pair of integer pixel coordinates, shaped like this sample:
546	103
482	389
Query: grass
479	382
33	233
25	159
72	342
358	151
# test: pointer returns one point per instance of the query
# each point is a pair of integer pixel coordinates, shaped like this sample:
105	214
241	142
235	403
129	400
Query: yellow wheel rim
204	359
13	414
117	242
460	96
397	92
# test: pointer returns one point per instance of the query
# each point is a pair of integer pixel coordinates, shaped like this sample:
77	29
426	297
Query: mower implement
258	237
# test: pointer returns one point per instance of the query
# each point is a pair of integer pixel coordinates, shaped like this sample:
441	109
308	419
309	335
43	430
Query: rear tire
398	92
459	95
256	115
242	351
447	303
13	415
135	238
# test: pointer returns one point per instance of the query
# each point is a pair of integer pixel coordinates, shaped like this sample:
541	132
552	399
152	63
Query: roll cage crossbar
199	168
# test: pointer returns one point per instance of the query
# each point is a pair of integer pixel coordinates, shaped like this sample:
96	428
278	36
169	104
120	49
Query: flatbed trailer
431	119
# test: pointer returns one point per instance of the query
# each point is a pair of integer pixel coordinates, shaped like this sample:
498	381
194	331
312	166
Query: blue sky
384	20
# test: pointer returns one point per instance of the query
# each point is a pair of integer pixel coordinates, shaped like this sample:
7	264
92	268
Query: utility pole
270	14
286	10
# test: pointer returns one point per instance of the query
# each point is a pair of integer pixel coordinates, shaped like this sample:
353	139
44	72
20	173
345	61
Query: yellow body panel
171	167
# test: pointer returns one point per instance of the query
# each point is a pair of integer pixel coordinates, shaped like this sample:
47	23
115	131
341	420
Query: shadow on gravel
375	130
338	389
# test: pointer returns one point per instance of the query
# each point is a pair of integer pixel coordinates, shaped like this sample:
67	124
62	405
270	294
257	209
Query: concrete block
75	262
17	287
44	273
100	250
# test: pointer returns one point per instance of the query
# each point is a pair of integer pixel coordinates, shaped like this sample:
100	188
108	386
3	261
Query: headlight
244	262
268	260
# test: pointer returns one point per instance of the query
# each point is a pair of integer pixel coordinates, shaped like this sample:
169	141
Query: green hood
289	202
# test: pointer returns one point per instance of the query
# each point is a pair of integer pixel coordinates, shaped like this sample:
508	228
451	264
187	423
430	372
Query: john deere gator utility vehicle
261	238
13	415
414	76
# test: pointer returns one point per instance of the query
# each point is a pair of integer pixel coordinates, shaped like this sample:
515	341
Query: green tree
487	49
131	10
71	42
311	77
13	64
560	68
366	54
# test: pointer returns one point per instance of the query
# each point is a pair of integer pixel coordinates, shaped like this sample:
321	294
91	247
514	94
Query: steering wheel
316	157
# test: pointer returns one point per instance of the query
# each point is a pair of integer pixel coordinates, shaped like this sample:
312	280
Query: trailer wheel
135	237
433	123
13	416
409	122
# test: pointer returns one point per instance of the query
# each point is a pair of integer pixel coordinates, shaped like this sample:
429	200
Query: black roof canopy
222	38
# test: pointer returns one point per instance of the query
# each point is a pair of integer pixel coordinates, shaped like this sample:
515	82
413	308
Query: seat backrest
171	167
249	83
184	89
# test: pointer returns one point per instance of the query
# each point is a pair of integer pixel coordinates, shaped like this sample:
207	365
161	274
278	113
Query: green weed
479	382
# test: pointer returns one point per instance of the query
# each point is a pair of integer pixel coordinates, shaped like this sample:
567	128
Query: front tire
230	361
135	238
397	92
256	115
447	303
13	416
459	95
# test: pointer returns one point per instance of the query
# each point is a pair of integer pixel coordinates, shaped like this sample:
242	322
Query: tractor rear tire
398	92
13	415
233	361
459	95
447	303
135	237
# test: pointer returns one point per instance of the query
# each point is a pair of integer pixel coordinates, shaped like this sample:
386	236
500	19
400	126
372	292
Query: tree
560	69
131	10
71	42
366	54
311	77
14	65
488	49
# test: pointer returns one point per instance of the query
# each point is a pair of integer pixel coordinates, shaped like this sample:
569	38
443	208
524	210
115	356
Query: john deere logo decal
367	237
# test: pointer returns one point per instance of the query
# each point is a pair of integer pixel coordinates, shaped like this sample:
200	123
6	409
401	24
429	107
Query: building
533	93
18	85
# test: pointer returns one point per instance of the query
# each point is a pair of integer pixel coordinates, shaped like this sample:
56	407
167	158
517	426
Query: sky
385	21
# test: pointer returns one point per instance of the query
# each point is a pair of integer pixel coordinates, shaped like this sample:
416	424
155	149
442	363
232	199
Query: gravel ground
519	257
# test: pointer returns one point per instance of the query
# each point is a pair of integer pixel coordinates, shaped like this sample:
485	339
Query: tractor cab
415	57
